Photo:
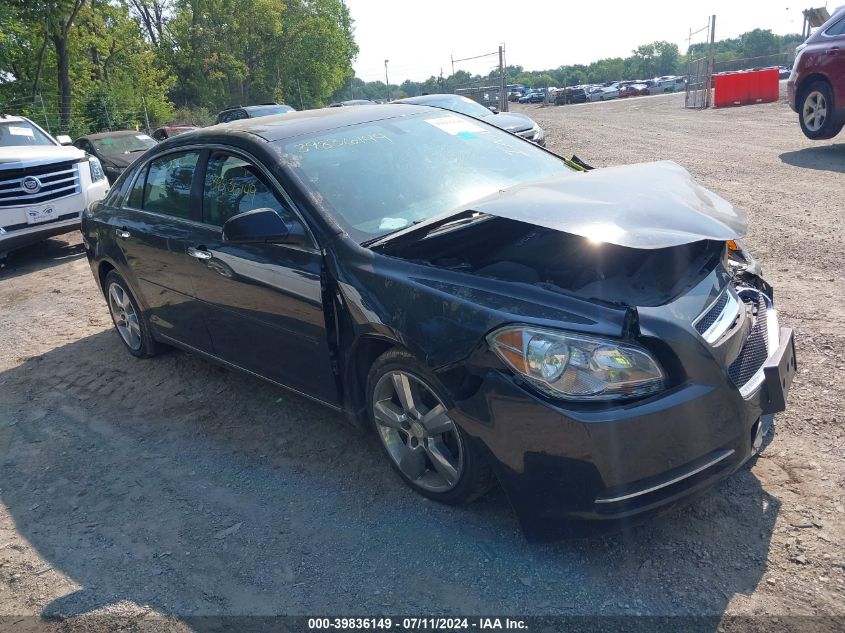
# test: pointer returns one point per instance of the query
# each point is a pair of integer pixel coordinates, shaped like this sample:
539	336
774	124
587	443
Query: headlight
97	173
575	366
739	257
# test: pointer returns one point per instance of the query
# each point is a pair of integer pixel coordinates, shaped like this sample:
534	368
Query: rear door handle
122	234
199	253
833	51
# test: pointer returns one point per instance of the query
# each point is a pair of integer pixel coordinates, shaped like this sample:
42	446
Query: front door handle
199	253
833	51
122	234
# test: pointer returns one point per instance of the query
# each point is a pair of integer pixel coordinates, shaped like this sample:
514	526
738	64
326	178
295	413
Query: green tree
246	51
53	20
758	43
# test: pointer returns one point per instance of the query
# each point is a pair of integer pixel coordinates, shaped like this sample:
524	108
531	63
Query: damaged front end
701	349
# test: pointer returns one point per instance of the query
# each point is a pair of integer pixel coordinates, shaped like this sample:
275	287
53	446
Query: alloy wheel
418	434
125	317
815	111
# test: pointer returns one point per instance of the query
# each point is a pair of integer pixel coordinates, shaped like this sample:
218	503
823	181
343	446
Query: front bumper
579	471
790	94
16	232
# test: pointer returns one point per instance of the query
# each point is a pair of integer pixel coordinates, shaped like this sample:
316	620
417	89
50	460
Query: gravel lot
170	488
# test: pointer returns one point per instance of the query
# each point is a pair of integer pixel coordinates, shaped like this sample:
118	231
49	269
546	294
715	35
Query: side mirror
64	139
262	226
493	109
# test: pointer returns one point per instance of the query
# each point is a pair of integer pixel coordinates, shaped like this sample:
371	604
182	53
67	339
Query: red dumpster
753	86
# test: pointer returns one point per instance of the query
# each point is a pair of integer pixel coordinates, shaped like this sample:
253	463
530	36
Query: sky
419	37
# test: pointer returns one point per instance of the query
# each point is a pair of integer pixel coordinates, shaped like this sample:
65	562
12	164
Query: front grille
709	318
755	350
58	180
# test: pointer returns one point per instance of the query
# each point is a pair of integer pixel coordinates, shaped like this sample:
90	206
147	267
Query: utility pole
299	87
386	80
710	58
503	101
452	57
146	116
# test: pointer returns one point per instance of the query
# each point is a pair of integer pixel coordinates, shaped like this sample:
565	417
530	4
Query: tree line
83	65
646	61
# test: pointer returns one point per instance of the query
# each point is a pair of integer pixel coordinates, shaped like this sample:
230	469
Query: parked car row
616	90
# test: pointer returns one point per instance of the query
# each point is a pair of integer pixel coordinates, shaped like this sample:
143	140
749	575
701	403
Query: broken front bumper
579	471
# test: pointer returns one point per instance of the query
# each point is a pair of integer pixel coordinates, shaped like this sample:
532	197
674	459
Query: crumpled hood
648	205
20	155
510	121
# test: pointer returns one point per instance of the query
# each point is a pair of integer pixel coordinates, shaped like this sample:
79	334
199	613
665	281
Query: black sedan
598	343
116	150
513	122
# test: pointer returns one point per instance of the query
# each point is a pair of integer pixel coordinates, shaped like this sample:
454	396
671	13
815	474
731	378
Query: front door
265	300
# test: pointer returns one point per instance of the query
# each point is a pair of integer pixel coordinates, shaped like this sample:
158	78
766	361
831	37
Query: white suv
44	186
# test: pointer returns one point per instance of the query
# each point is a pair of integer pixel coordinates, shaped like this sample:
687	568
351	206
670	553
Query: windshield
16	133
379	177
268	110
457	104
114	145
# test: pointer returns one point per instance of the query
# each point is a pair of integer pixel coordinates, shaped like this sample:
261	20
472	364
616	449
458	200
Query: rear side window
233	186
837	29
164	186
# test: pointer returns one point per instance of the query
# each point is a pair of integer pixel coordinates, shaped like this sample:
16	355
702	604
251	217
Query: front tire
129	321
817	114
409	411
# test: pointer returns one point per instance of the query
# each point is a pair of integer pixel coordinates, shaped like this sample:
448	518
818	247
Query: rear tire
409	408
817	112
129	320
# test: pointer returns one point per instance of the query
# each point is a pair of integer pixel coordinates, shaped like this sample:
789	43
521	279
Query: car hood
122	161
648	205
22	155
510	121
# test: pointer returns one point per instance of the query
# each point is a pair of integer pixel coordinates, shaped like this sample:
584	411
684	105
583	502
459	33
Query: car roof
11	118
284	126
114	134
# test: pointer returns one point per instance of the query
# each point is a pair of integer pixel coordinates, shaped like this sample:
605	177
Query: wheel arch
363	353
807	81
103	269
105	266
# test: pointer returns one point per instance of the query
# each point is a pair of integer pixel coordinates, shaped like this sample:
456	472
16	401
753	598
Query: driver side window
233	186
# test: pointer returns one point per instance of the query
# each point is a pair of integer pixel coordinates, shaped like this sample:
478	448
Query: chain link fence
97	111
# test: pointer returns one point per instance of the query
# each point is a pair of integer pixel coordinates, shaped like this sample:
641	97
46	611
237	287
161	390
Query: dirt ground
167	489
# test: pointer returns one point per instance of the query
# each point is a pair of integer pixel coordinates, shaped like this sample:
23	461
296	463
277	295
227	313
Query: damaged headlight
737	256
578	367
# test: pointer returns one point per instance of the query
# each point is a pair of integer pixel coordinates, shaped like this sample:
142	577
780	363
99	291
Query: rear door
834	60
158	223
265	304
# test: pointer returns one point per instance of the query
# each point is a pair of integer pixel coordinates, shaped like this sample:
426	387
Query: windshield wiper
421	229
